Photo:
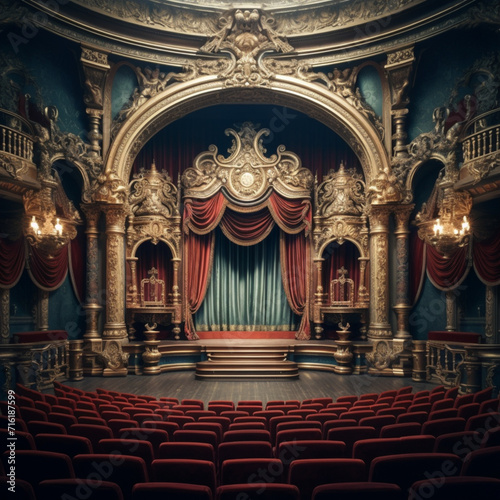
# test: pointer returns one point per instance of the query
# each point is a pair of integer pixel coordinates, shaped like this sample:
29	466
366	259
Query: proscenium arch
312	99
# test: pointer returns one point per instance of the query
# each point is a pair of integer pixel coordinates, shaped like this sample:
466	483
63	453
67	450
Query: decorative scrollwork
247	173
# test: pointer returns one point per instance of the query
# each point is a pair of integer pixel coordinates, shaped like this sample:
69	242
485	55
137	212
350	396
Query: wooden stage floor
311	383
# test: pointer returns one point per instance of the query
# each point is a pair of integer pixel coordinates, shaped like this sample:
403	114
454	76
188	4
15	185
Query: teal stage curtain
246	291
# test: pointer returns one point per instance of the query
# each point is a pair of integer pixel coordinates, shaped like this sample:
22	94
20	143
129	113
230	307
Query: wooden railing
35	365
16	135
471	367
482	136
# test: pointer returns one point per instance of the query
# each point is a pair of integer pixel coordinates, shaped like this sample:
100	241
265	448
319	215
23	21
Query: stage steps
247	362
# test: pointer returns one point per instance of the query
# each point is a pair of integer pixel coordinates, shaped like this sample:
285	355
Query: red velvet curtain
346	255
447	274
158	256
11	261
294	269
247	228
417	263
486	258
293	216
198	258
48	273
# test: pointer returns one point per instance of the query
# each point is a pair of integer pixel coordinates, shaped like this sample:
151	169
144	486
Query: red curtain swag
12	255
486	258
48	274
446	274
248	228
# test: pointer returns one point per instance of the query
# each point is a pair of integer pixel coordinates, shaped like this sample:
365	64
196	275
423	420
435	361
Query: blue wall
371	88
437	72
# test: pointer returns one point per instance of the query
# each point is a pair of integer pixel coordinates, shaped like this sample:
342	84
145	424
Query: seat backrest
308	473
197	437
248	470
189	450
181	470
405	469
350	435
171	491
482	462
120	469
298	434
459	488
244	449
247	435
34	466
262	491
69	488
67	444
443	426
400	430
358	491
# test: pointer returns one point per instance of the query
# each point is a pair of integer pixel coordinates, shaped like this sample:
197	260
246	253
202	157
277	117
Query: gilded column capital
116	216
402	215
92	214
379	218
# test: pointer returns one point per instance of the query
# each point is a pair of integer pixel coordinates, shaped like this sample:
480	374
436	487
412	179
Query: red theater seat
358	491
74	488
171	491
258	491
69	445
407	468
251	470
184	471
309	473
482	462
456	488
187	450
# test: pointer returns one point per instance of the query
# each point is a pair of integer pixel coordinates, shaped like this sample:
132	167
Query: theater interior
250	250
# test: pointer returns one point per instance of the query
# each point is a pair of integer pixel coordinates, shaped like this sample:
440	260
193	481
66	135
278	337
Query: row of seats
36	467
244	436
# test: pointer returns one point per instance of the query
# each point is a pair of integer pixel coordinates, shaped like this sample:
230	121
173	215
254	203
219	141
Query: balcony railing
482	136
16	135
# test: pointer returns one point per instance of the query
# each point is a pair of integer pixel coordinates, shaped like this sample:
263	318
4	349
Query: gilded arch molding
310	98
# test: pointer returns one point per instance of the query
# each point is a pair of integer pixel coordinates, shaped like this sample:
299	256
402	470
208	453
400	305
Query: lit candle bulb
58	227
34	225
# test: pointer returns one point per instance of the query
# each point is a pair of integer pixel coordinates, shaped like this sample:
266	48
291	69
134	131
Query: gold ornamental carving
247	173
154	209
113	356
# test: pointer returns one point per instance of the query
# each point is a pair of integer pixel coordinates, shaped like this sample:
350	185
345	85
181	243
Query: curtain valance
203	216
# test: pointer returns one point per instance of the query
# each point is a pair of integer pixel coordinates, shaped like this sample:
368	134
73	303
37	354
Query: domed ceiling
322	31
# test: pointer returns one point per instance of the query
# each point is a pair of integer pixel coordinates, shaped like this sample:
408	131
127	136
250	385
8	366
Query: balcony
18	173
480	171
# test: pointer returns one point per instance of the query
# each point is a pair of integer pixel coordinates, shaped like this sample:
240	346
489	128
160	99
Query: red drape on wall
486	258
446	274
48	274
292	216
346	255
158	256
11	261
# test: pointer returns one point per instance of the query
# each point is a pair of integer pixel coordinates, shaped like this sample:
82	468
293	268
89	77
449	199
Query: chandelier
451	228
50	217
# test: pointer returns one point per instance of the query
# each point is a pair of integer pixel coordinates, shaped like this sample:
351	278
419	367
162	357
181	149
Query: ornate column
95	68
491	330
319	298
4	315
402	307
379	272
42	316
92	301
114	327
451	312
398	69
